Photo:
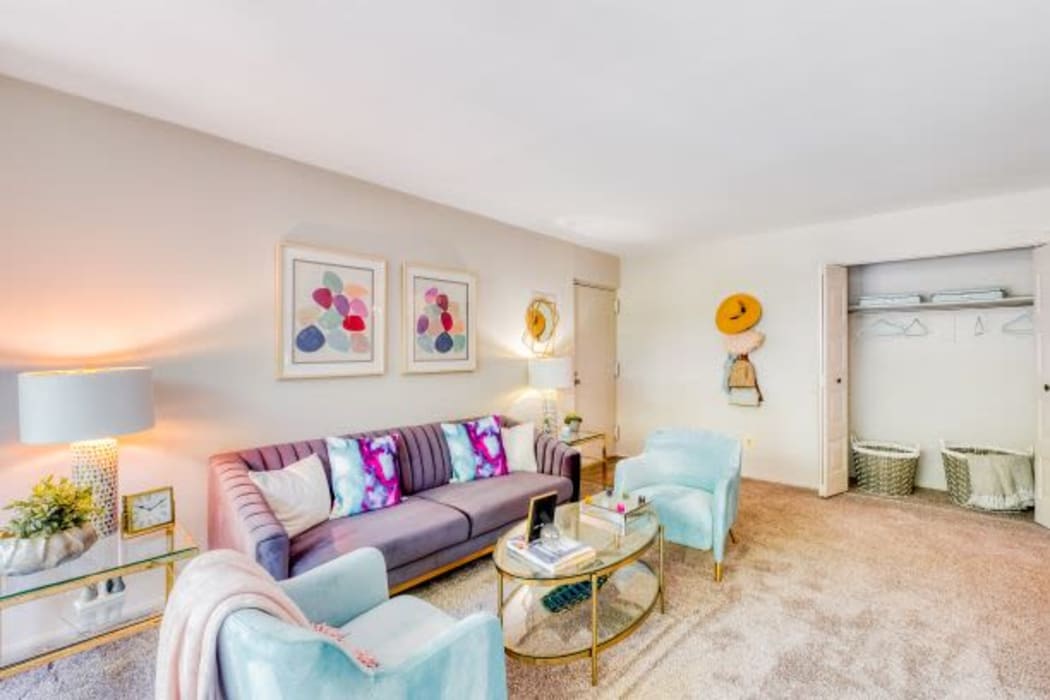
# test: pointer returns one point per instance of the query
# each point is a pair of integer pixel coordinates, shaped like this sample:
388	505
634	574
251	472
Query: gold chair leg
718	572
732	537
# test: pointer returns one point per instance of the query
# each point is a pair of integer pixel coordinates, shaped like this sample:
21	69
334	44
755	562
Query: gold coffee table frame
582	573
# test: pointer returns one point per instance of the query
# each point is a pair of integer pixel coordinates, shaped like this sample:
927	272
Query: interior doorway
597	370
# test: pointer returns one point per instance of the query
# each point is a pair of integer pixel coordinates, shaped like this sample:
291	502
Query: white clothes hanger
883	329
1022	325
978	328
916	328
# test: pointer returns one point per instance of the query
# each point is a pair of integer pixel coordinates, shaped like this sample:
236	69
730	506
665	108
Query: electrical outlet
749	442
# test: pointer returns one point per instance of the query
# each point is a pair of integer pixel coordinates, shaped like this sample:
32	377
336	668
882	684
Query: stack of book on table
553	556
604	511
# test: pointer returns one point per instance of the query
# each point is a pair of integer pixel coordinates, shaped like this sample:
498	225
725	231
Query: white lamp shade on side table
548	375
87	408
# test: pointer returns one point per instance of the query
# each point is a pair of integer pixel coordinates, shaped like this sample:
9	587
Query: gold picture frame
125	512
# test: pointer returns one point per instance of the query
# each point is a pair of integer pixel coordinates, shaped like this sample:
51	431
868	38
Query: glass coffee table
619	591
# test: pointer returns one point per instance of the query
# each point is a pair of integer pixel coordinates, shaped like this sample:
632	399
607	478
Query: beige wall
125	239
673	356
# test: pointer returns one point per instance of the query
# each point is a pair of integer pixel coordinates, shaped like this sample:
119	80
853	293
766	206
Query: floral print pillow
364	474
476	448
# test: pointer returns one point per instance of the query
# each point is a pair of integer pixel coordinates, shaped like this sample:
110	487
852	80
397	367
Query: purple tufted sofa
438	525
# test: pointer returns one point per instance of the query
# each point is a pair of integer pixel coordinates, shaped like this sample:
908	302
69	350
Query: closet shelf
947	305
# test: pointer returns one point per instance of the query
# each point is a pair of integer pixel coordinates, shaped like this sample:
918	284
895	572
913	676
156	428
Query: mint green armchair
422	652
692	479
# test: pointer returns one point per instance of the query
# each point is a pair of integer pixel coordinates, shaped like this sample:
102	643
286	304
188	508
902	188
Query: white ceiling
611	122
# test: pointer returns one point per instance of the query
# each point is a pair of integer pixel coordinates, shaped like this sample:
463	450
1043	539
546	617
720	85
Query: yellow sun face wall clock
737	313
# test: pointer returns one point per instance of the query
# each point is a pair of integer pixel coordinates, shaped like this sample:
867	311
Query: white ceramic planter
19	556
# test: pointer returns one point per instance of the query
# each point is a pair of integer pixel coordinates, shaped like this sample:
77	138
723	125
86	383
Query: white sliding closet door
834	408
1041	258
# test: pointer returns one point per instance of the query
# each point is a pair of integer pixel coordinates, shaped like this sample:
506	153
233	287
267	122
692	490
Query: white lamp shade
551	373
69	406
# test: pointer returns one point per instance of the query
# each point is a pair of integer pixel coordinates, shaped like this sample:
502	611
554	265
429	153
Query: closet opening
931	386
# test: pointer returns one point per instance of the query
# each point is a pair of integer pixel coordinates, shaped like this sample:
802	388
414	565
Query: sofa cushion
365	474
298	494
412	529
476	449
493	503
519	442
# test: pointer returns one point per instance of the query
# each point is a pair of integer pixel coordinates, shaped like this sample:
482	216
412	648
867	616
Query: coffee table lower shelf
611	613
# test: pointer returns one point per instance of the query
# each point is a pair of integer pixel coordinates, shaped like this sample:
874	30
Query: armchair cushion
408	531
396	630
685	513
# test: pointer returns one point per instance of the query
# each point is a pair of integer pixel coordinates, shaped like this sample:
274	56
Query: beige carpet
850	597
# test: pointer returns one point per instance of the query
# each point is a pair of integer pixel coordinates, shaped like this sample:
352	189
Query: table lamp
86	408
548	374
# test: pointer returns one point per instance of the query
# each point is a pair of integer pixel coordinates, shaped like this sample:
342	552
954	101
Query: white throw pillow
519	443
297	494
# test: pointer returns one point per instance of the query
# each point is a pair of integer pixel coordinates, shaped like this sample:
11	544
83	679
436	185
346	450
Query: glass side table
59	594
583	438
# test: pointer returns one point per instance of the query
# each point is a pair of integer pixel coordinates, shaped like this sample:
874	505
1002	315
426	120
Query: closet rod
946	305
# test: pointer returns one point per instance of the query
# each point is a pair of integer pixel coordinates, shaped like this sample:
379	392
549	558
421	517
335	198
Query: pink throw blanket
211	587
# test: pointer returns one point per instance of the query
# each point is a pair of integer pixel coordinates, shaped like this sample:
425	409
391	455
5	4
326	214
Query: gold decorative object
541	322
148	511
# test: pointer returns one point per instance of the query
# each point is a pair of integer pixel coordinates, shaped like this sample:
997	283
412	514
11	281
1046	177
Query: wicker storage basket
885	468
957	471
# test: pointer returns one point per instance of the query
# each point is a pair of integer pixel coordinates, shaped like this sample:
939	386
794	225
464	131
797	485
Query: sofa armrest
341	589
240	518
555	457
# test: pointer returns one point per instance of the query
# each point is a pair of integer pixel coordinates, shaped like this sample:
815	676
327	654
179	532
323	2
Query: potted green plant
573	420
51	526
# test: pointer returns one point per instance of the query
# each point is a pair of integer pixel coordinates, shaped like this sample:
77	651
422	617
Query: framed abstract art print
439	308
330	313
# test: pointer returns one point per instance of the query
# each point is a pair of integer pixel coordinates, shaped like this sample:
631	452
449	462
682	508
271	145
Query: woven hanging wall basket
885	468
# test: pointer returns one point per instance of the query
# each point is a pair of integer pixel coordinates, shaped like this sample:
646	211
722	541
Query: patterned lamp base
95	465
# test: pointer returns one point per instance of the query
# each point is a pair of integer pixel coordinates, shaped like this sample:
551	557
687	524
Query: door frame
821	466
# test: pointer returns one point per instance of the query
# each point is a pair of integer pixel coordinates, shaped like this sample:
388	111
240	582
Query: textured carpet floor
853	597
